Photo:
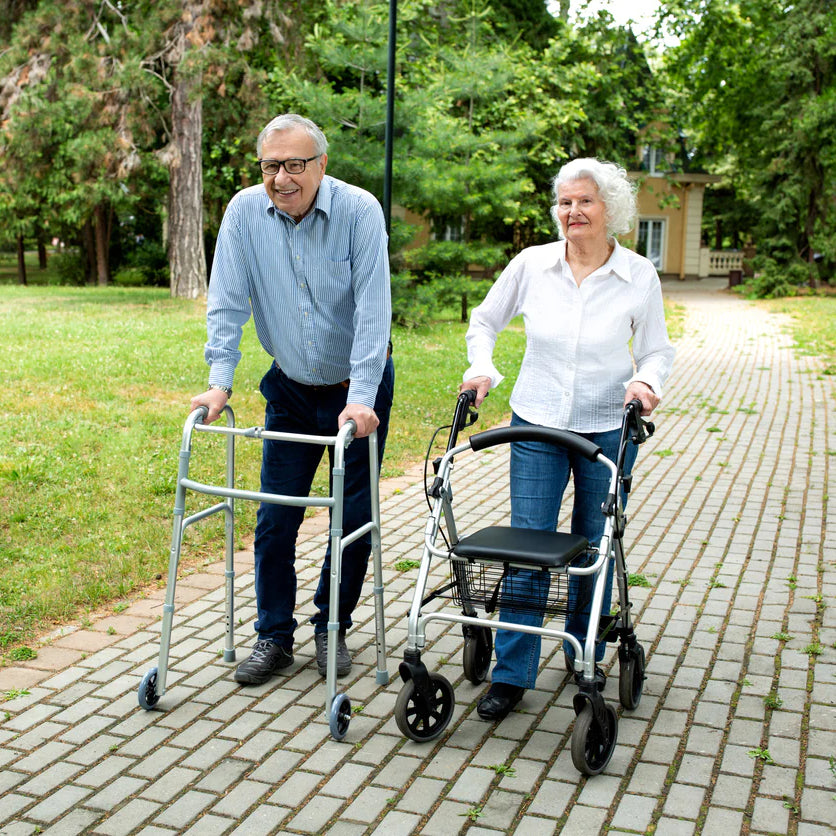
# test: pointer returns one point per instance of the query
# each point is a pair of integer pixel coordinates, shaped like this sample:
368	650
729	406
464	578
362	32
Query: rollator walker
526	571
337	706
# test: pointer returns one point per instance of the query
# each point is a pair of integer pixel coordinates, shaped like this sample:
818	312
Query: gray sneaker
343	656
267	658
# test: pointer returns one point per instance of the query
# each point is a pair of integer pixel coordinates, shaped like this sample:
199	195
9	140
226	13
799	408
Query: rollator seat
552	550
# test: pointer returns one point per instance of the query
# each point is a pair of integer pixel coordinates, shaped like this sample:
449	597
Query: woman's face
581	212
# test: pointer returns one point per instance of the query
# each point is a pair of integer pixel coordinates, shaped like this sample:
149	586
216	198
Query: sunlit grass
814	325
97	384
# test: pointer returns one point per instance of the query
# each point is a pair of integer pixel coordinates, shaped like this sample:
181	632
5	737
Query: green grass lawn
97	385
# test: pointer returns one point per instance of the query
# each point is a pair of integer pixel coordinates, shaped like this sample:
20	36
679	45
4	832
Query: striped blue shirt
318	290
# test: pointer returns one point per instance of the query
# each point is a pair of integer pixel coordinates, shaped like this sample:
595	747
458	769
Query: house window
448	228
651	242
653	160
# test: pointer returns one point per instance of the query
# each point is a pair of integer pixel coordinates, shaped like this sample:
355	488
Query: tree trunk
21	261
102	240
186	256
41	250
88	247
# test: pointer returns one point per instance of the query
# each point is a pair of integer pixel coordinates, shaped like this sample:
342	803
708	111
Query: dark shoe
600	678
267	658
343	656
499	700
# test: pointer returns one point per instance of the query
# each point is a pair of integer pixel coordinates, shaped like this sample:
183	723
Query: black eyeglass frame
284	163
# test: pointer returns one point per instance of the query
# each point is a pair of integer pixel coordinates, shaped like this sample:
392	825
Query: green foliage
416	301
755	87
774	281
71	267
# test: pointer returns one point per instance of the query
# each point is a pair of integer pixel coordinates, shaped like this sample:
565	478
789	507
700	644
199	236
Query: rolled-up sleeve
228	304
373	304
652	352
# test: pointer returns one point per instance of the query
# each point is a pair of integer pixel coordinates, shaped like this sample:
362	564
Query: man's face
293	193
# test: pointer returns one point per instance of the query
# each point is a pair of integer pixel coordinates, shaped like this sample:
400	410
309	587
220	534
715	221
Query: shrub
416	300
773	280
70	268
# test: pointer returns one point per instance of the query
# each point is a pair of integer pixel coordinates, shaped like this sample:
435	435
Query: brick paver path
731	525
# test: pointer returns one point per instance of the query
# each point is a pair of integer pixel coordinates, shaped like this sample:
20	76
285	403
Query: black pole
390	115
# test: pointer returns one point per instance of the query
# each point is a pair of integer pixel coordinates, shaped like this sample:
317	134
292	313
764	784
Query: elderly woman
583	300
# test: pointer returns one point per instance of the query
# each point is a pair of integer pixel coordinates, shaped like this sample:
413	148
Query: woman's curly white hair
614	187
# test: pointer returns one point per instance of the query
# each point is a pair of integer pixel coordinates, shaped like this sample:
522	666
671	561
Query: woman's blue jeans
288	468
539	476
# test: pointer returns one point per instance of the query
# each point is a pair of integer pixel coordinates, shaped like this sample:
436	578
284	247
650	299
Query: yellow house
669	229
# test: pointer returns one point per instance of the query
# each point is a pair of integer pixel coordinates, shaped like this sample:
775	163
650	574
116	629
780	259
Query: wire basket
488	586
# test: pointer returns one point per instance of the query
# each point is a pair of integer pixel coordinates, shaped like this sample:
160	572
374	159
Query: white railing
721	261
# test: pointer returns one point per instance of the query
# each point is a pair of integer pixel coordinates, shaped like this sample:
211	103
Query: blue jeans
539	476
288	468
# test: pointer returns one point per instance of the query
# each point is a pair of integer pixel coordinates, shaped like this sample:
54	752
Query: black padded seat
539	549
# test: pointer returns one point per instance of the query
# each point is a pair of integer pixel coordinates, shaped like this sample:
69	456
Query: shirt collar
618	263
322	202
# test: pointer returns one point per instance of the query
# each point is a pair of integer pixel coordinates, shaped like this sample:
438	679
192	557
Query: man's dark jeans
288	468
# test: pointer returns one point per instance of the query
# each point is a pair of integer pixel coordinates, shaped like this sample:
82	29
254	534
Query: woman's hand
642	392
481	385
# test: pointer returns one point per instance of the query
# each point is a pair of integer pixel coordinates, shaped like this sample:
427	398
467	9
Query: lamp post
390	116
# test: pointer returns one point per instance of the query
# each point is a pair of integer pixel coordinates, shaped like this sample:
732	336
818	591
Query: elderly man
307	255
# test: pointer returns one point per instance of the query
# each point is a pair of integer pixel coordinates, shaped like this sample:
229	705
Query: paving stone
115	793
185	809
170	784
236	802
125	820
314	816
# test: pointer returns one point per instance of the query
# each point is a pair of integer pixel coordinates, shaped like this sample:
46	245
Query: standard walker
337	706
546	572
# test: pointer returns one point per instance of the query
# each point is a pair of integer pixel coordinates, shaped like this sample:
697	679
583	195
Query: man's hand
363	416
214	400
641	391
482	386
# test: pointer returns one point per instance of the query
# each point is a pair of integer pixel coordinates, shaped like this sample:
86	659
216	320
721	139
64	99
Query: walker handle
561	438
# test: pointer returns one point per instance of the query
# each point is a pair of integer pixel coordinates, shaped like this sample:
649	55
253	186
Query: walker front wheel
339	716
148	696
592	744
422	716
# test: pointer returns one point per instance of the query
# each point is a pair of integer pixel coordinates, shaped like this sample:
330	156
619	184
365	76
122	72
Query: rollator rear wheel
631	678
477	654
148	696
592	746
423	717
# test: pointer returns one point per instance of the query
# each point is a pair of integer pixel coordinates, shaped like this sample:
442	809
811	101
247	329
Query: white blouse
578	360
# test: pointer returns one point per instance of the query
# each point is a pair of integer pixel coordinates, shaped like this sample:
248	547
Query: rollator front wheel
477	654
592	745
339	717
631	678
424	716
148	696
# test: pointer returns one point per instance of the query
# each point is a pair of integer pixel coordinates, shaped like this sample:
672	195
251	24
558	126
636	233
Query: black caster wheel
148	696
592	746
477	655
631	678
423	717
339	717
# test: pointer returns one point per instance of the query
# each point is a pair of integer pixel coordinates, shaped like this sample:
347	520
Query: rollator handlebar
561	438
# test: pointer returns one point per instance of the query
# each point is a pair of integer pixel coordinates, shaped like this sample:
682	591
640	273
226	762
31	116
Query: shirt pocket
330	281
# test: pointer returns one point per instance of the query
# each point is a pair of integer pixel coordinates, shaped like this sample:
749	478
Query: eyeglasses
293	166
